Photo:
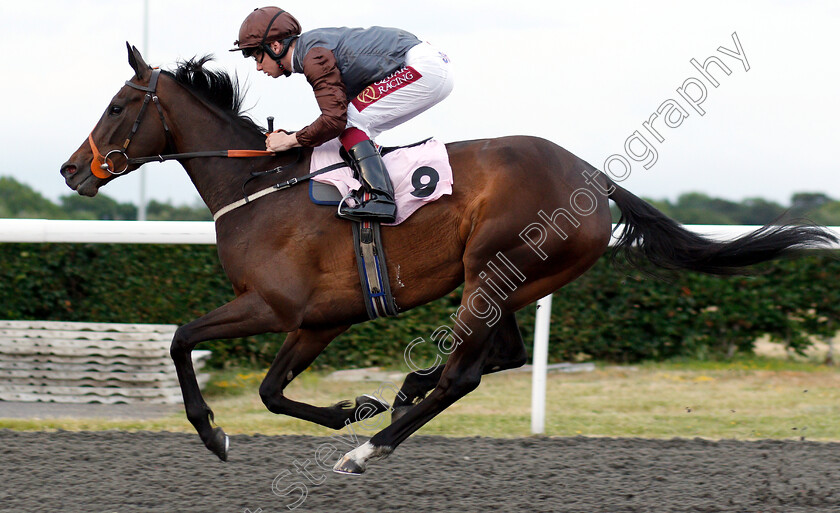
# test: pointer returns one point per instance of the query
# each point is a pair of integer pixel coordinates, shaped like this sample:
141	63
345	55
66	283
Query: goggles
249	52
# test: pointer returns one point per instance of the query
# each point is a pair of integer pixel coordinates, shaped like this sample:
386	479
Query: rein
103	166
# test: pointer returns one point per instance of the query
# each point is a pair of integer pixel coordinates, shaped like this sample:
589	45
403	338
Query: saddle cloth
421	174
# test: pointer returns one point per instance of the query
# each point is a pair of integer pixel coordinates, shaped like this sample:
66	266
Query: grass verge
753	398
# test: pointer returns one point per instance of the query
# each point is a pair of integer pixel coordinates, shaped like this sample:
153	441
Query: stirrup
341	204
362	214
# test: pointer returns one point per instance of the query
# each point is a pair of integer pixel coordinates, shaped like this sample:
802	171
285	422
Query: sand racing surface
113	471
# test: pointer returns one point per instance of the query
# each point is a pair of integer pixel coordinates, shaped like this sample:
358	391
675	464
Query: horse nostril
68	170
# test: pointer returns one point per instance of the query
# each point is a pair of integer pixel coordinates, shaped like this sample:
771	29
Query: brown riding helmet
263	26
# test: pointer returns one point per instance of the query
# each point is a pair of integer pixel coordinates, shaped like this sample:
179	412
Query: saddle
420	173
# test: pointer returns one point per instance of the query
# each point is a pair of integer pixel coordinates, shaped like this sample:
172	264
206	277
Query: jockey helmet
262	27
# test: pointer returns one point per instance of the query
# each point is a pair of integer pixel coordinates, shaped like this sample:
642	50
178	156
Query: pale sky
585	75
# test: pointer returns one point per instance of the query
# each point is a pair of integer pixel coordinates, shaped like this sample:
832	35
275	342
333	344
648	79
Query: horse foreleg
244	316
507	351
460	376
298	351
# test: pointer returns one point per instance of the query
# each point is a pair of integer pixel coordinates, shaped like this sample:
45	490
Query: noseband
103	166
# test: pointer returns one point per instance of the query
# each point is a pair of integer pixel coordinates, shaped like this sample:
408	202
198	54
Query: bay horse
524	212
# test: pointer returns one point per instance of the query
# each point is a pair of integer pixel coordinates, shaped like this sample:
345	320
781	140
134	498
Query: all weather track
155	471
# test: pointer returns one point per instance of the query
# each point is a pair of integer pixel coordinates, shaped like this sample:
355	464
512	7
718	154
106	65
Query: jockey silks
362	56
339	63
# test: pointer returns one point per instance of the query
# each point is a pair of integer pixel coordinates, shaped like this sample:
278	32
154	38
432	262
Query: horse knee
180	343
268	394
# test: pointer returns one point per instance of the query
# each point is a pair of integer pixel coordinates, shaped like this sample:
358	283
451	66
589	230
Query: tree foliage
699	208
19	201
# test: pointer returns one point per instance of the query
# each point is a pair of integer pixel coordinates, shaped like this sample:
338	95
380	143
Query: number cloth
420	174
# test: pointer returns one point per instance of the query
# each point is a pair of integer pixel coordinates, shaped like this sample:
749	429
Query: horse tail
668	245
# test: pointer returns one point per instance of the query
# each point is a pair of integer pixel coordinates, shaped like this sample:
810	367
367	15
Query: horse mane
215	87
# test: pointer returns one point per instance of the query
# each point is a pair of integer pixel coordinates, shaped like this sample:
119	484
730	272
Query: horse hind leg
246	315
461	375
414	389
507	351
299	350
507	348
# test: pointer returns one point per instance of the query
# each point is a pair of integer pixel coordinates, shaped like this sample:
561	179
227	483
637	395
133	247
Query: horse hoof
346	465
398	412
355	461
219	443
378	405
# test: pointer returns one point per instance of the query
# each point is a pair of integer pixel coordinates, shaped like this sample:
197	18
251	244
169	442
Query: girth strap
370	260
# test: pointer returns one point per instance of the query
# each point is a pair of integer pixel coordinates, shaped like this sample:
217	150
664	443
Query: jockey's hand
280	141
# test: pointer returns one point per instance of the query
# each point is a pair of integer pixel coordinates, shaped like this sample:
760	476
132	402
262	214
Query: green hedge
610	314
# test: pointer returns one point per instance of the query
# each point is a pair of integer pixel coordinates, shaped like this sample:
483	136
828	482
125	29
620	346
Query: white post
141	209
540	364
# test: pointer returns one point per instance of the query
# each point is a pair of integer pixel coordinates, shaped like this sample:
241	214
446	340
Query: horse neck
197	126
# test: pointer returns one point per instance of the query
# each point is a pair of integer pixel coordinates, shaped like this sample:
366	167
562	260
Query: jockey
365	81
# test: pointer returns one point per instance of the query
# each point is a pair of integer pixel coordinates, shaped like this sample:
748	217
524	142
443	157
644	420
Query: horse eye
115	110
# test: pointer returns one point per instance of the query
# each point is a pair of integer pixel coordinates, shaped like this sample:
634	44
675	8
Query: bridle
103	166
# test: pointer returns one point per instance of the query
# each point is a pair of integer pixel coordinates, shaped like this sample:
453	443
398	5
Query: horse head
129	126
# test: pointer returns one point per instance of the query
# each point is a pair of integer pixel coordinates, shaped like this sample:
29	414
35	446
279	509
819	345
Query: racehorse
525	218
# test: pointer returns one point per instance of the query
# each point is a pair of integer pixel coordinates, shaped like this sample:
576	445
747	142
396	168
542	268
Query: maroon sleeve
323	75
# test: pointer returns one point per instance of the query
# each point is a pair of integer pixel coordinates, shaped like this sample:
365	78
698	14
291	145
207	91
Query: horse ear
141	69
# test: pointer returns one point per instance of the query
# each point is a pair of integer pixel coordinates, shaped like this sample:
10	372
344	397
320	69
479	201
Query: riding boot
375	181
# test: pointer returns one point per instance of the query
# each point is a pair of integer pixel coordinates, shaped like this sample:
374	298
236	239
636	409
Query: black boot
375	180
